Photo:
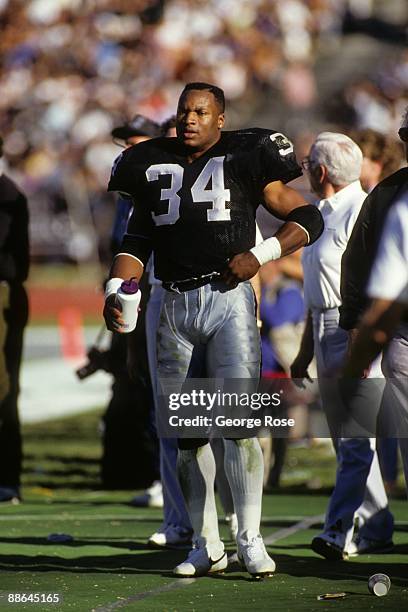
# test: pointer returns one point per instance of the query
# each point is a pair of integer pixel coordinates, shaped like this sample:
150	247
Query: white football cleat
170	536
253	557
200	562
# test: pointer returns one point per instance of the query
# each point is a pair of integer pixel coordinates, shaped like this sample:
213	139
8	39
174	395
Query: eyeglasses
307	164
403	134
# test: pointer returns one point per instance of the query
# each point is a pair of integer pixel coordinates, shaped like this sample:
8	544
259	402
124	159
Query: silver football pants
209	332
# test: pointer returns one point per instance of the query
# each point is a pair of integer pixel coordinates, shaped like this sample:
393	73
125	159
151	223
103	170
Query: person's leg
359	493
279	449
11	454
196	471
233	354
4	375
175	520
387	450
359	490
177	359
244	469
395	366
223	487
175	511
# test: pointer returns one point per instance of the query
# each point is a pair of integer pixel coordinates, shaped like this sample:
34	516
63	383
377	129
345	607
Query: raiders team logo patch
284	145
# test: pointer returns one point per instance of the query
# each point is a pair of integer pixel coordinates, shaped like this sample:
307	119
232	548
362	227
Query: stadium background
70	71
73	69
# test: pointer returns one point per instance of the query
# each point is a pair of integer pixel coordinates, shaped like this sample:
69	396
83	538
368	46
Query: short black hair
216	91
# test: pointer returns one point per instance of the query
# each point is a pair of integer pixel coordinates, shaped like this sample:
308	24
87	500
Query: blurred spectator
381	156
168	127
14	263
137	130
282	313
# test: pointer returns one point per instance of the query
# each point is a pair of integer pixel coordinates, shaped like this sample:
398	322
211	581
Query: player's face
199	120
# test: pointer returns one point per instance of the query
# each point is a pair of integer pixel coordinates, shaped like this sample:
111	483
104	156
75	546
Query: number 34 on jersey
218	195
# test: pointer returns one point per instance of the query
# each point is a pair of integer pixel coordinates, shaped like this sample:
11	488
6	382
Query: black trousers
11	455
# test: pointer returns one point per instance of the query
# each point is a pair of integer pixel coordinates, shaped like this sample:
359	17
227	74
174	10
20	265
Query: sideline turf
108	567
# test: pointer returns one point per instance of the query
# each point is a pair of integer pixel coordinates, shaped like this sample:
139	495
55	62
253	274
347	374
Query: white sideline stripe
125	517
288	531
180	582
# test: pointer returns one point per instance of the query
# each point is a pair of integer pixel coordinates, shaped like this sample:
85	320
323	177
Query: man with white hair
334	166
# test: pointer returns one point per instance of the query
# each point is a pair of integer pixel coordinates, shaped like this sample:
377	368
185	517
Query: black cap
138	126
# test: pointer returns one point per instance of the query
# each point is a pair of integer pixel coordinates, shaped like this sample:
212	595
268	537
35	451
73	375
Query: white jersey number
170	194
217	194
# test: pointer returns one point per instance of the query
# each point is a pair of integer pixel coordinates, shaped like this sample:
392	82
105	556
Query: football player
195	198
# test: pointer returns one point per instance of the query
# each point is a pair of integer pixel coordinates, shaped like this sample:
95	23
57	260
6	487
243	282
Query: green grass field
107	565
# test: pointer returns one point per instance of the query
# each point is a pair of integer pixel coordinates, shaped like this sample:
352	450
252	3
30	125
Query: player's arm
129	263
299	367
388	286
303	225
303	222
377	327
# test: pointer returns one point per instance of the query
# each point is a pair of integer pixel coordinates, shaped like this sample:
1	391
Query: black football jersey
196	216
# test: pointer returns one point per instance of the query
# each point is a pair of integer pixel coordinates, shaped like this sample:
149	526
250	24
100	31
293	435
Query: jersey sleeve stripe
304	229
132	256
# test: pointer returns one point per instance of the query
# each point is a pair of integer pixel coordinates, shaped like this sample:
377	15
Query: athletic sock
196	472
223	488
244	469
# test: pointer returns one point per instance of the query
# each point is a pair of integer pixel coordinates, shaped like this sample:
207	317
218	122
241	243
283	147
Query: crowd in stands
72	70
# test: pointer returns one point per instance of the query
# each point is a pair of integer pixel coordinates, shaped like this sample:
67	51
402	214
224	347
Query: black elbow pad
310	219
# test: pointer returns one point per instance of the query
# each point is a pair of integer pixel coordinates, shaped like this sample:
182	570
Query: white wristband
268	250
112	286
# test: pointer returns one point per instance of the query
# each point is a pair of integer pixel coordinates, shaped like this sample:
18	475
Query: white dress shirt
322	260
389	276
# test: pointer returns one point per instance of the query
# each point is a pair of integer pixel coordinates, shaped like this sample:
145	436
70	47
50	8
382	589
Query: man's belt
190	283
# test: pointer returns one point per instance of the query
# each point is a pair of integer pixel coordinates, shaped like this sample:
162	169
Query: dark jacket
14	245
361	250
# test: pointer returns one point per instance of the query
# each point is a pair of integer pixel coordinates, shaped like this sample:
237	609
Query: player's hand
112	314
240	268
299	371
348	371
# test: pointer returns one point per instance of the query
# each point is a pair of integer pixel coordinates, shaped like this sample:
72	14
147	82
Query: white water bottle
128	300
